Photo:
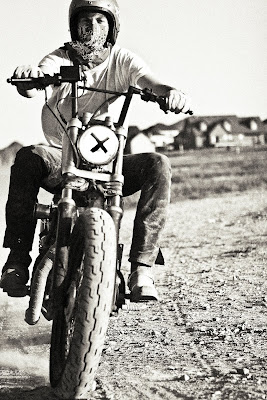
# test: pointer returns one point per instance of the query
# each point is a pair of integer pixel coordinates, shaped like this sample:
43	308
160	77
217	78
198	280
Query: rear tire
77	342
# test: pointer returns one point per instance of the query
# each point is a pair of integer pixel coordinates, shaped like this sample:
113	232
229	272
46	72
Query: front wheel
79	328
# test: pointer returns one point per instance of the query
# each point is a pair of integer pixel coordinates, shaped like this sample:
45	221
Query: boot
141	284
15	274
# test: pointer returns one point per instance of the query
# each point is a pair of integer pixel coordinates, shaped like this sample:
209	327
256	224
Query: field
206	338
206	173
211	172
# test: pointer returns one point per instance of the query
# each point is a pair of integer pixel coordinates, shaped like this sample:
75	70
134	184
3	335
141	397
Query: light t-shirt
120	70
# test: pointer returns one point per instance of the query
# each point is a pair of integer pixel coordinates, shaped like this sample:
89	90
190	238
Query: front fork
67	210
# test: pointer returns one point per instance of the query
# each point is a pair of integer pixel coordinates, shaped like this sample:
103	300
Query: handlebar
74	75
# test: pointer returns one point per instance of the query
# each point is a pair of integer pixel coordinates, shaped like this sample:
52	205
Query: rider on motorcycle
94	27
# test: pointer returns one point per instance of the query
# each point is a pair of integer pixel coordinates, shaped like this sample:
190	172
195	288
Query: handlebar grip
162	103
69	74
39	83
13	81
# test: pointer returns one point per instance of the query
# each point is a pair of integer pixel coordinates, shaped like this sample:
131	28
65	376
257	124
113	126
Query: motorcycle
77	280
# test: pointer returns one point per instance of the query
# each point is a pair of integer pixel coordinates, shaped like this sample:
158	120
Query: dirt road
205	339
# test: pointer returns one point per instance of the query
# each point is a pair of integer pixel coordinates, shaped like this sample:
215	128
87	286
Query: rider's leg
31	168
150	173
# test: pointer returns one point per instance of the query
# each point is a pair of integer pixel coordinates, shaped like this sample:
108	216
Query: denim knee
160	164
24	154
28	159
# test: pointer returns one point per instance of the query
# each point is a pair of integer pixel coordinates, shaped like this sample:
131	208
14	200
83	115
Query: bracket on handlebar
147	95
71	74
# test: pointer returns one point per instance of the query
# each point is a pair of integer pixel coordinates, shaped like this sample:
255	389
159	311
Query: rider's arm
176	100
49	65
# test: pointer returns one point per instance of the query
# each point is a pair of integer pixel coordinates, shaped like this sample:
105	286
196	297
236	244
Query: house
162	136
200	131
221	131
138	142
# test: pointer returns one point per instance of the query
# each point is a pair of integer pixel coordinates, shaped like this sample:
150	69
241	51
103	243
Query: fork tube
119	162
67	213
115	204
74	95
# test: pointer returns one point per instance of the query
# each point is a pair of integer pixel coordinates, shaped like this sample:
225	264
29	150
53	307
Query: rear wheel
79	328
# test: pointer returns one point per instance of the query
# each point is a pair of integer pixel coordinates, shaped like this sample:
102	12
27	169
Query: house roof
159	128
238	125
133	131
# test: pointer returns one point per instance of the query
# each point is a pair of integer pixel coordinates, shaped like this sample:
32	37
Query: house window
228	137
227	126
253	125
203	126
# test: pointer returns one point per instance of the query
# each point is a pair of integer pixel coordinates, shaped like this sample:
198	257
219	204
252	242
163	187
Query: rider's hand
27	71
177	101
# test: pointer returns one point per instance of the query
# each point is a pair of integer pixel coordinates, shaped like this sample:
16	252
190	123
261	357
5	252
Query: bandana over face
92	39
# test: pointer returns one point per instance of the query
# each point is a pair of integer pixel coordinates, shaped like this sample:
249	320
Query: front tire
77	340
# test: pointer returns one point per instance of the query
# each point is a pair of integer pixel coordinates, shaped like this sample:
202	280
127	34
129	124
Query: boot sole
144	293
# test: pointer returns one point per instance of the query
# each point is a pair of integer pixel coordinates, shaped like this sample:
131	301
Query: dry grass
210	172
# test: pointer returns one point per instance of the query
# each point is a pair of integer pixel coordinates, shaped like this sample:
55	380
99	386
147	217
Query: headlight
98	145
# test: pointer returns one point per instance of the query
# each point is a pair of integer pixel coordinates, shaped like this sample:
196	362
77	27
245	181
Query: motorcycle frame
67	209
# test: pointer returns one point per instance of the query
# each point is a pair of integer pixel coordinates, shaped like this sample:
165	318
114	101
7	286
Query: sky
214	50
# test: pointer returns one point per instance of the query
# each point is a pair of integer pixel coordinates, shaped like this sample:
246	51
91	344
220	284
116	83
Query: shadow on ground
43	392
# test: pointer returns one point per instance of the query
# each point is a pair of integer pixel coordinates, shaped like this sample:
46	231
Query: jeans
40	166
